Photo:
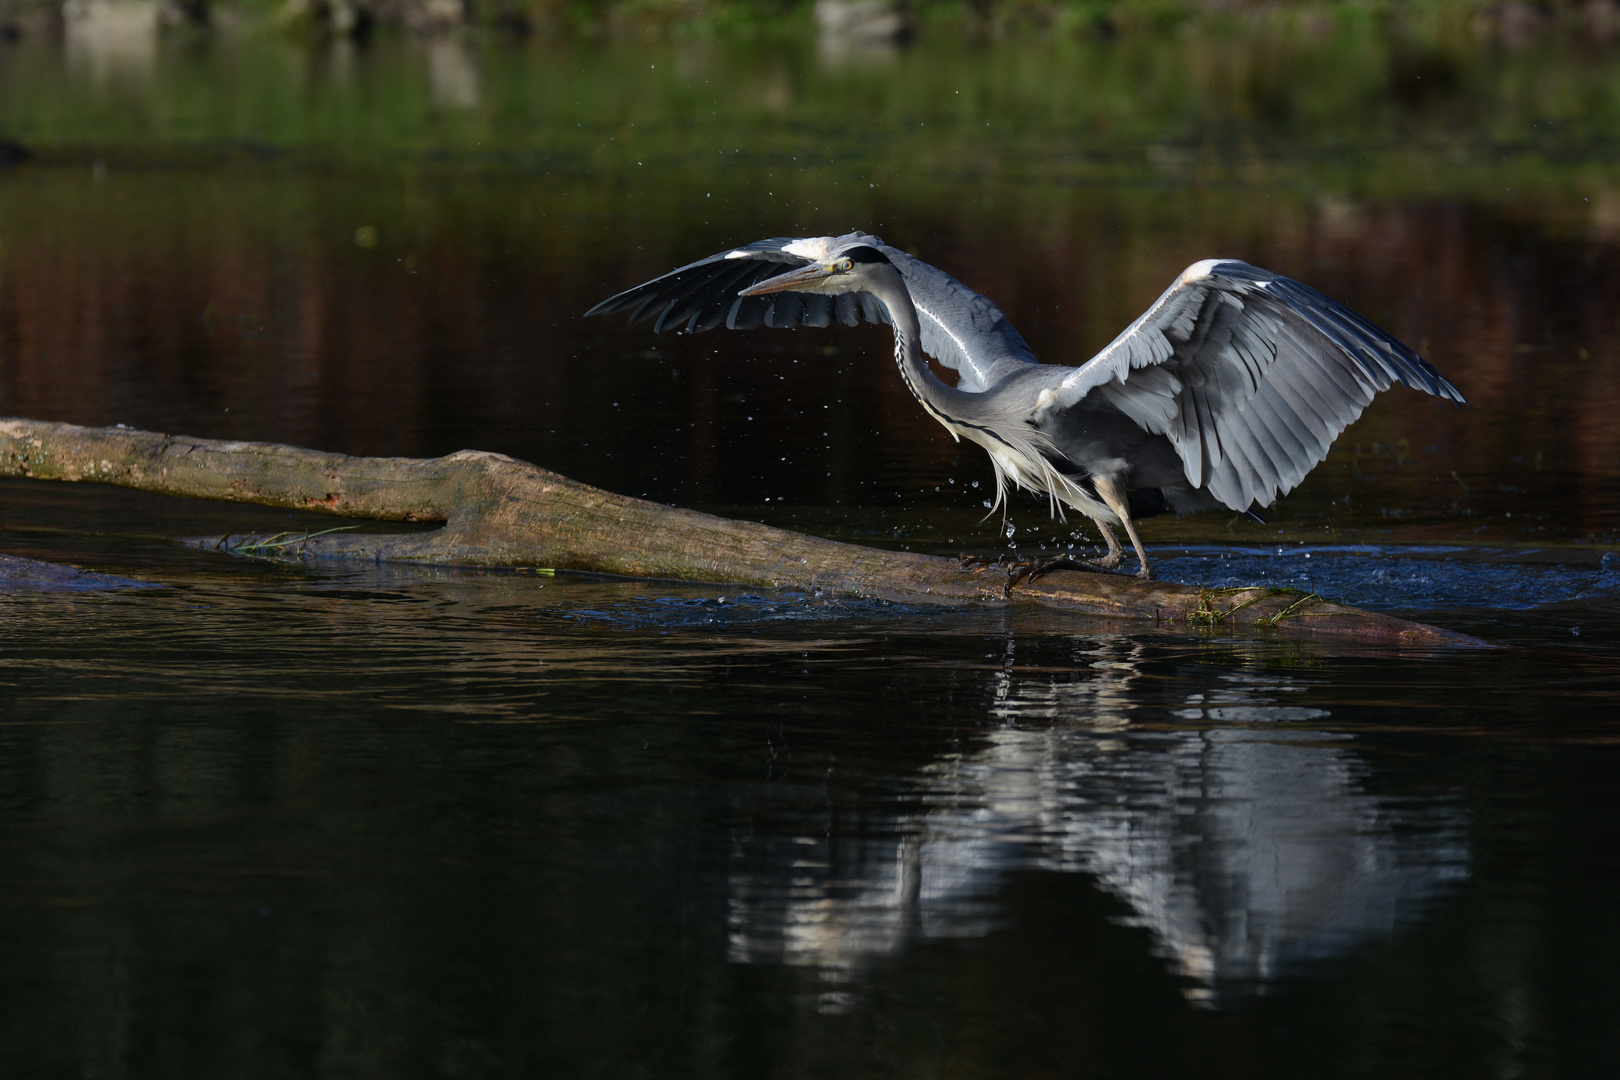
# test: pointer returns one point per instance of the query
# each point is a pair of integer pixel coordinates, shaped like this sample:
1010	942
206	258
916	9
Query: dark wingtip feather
614	304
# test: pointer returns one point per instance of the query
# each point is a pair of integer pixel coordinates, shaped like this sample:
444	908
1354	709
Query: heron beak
801	278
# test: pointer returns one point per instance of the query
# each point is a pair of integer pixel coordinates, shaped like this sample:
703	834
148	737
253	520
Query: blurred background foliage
1421	98
1512	21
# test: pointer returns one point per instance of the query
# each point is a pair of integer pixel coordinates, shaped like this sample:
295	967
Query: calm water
291	820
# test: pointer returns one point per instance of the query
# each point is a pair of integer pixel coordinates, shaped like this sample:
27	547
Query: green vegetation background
1514	19
1360	111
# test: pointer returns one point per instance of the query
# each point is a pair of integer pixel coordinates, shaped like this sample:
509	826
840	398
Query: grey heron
1225	392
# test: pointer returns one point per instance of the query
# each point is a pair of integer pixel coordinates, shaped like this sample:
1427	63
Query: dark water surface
289	820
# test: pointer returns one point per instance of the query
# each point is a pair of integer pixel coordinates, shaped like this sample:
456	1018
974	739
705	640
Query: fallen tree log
498	511
18	574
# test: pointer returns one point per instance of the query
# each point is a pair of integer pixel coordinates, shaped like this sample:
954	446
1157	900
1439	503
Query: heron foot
1111	560
1030	572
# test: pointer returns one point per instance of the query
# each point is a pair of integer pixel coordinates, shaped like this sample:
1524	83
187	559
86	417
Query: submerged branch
498	511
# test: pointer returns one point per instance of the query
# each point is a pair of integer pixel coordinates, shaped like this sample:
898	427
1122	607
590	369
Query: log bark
498	511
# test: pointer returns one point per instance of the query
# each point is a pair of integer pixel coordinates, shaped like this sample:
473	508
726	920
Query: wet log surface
18	574
498	511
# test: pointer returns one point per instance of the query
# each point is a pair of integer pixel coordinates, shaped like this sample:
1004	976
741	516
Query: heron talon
1035	569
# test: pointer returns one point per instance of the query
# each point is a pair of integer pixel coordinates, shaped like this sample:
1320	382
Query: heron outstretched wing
961	329
1250	375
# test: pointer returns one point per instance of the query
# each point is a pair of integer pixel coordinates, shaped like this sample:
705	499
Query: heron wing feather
787	309
960	328
711	284
1266	373
1300	406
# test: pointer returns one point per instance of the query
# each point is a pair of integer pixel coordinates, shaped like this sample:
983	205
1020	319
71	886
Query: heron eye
845	265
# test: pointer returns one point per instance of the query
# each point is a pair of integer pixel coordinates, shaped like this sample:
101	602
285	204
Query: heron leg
1115	552
1112	494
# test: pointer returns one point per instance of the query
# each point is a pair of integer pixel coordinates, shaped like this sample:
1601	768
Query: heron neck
925	386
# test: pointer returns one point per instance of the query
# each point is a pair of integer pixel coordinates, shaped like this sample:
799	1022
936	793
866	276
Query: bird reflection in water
1245	844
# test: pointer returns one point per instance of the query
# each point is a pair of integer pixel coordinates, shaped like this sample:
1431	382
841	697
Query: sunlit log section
498	511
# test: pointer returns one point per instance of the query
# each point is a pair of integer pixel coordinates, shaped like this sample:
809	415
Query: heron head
851	269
